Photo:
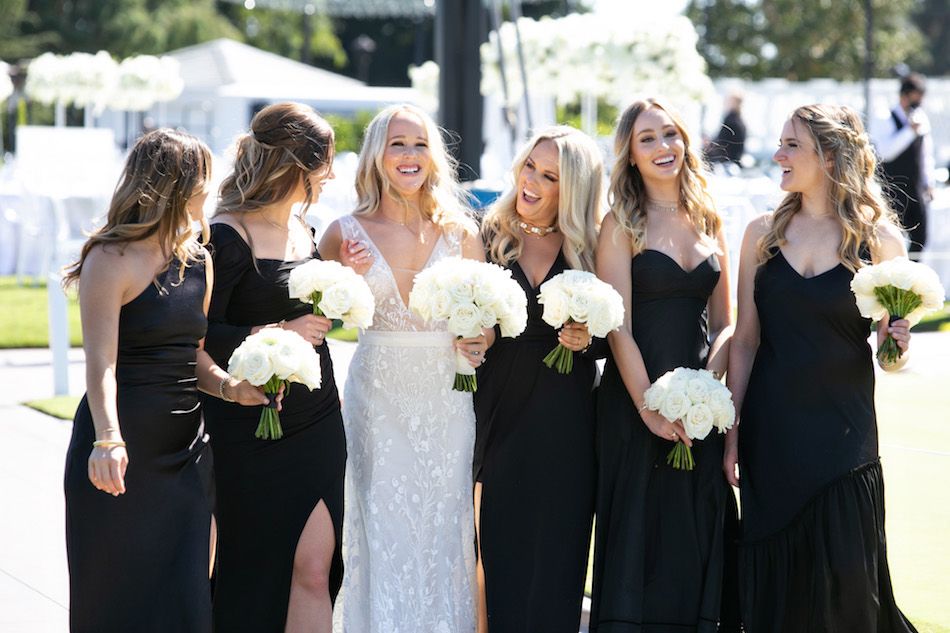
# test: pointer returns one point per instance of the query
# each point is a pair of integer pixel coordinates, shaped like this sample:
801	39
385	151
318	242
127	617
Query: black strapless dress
813	552
266	489
139	562
534	454
659	539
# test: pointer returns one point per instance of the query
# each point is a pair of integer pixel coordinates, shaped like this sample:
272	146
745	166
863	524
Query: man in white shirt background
905	146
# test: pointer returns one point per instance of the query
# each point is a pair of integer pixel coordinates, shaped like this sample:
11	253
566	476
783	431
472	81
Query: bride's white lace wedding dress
408	533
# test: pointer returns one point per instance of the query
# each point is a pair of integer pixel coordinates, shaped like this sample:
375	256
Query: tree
933	19
804	39
283	32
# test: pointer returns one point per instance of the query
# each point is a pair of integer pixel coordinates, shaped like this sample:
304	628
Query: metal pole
868	56
515	16
511	117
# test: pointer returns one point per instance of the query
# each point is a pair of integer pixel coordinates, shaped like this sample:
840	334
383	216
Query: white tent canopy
225	81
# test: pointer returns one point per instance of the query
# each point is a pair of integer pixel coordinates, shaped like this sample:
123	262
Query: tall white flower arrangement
597	54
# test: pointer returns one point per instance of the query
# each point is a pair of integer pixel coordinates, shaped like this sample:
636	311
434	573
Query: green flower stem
681	457
561	359
315	299
465	383
898	303
269	426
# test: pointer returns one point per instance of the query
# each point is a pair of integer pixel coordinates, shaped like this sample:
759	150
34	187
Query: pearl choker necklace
537	230
663	205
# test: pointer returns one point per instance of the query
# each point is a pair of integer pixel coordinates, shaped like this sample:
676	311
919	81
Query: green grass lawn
24	319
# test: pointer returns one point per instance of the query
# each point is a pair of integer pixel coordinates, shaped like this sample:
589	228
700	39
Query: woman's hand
730	458
574	336
356	255
663	428
473	348
311	327
107	466
899	331
246	394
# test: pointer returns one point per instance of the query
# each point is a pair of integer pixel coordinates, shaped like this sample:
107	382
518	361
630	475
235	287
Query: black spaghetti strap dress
138	562
659	540
266	489
534	454
813	553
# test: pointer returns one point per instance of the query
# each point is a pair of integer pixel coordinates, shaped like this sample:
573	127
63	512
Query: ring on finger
476	353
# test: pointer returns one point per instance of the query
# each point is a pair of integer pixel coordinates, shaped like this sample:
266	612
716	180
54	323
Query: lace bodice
392	314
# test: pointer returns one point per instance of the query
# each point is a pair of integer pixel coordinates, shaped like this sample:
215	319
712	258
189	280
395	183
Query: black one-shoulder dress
138	562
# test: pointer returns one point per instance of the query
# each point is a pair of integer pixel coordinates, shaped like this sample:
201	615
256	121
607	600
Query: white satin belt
406	339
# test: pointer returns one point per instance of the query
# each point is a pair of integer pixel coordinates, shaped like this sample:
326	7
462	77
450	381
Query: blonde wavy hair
162	172
837	134
627	195
287	141
441	196
580	187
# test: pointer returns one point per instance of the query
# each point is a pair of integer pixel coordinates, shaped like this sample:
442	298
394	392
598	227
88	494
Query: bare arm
745	341
352	253
720	314
212	379
613	266
104	287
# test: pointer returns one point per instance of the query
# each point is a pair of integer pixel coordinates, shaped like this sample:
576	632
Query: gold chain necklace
540	231
286	229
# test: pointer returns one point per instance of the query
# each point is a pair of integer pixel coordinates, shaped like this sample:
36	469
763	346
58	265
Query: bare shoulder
759	226
890	242
232	220
330	241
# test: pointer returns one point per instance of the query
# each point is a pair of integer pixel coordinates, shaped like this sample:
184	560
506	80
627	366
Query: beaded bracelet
99	443
221	392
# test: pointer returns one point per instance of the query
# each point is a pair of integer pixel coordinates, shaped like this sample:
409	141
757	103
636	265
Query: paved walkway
34	593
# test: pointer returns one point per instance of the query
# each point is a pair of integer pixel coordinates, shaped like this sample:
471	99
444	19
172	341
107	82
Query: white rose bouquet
470	295
335	291
272	357
898	288
696	397
580	297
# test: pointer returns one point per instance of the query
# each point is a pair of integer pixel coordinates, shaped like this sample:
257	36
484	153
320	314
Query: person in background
728	146
905	146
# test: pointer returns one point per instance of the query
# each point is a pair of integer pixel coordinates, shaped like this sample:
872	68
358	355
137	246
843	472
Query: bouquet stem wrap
899	304
464	374
269	426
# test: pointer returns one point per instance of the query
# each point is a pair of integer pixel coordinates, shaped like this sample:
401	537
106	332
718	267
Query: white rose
932	300
514	323
336	300
698	390
676	405
300	286
487	316
579	306
655	396
600	319
258	367
870	307
863	282
901	273
461	290
465	320
236	362
285	357
555	304
698	422
720	402
441	305
360	315
308	371
679	381
486	293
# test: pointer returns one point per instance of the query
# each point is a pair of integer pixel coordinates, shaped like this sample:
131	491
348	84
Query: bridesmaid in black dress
138	554
279	503
534	449
812	556
659	555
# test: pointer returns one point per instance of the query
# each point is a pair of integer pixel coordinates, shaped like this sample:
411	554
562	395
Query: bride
409	519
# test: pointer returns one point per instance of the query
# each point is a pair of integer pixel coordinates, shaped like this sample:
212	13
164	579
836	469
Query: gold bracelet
221	392
99	443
